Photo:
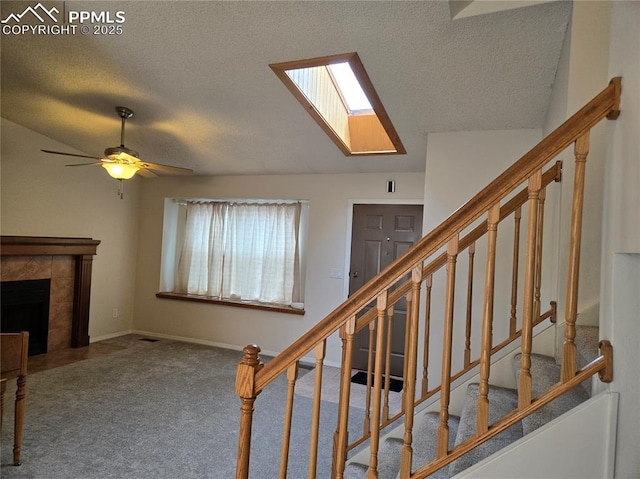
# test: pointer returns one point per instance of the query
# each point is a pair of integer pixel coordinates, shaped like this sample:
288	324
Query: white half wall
40	197
576	445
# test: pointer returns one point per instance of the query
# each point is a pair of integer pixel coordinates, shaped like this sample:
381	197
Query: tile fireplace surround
67	262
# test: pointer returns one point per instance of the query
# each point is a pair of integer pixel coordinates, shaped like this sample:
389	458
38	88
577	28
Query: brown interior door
381	233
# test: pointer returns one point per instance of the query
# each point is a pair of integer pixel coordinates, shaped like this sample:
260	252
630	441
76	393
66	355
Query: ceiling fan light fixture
123	163
121	171
122	154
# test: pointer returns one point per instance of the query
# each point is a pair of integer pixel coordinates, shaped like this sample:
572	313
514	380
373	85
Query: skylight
348	85
337	93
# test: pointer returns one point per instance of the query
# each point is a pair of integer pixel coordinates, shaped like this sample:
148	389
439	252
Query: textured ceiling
197	76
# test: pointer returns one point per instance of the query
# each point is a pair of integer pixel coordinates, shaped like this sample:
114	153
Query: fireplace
66	263
25	307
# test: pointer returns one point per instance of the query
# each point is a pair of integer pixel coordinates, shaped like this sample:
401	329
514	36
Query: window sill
238	304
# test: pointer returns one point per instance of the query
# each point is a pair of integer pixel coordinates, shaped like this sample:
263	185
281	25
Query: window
240	251
338	94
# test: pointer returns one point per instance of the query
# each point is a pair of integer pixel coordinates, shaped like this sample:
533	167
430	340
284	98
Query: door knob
354	274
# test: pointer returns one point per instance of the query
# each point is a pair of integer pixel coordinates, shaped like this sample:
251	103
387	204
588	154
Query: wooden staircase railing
426	263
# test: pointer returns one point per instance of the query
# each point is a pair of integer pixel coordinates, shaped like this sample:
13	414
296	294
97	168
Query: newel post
245	389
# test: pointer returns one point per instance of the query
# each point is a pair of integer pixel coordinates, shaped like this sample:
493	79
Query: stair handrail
553	174
605	104
253	376
602	365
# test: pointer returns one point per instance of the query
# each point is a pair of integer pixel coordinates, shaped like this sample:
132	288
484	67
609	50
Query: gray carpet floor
156	410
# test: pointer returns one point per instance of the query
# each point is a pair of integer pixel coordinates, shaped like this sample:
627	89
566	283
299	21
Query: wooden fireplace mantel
83	250
46	245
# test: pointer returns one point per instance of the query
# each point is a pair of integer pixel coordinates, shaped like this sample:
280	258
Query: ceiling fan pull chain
120	189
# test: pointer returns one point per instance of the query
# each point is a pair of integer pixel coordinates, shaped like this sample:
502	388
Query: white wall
621	235
459	165
582	74
539	454
555	451
40	197
328	197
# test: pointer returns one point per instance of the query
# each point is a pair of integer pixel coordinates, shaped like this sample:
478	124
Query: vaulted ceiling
197	75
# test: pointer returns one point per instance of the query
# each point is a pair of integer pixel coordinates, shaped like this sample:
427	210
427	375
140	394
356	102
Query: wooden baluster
319	353
407	338
514	274
524	384
292	376
374	441
413	324
467	344
482	417
427	324
245	389
366	427
571	309
341	435
409	300
445	391
387	364
538	281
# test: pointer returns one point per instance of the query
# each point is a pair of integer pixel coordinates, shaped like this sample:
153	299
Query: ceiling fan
123	163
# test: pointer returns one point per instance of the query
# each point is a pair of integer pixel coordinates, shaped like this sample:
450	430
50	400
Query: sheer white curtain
246	251
196	266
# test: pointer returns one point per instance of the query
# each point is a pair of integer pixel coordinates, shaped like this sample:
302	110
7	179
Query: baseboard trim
307	361
95	339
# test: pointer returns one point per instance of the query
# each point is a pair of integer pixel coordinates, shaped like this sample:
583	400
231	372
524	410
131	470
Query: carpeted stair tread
501	402
424	450
388	462
587	339
355	470
425	436
545	372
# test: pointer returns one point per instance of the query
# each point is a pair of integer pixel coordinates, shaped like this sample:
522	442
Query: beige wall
40	197
328	196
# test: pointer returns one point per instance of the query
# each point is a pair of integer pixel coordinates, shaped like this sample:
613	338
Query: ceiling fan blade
146	173
175	170
120	155
86	164
71	154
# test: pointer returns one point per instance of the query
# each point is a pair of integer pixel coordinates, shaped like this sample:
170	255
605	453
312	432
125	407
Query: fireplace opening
25	307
